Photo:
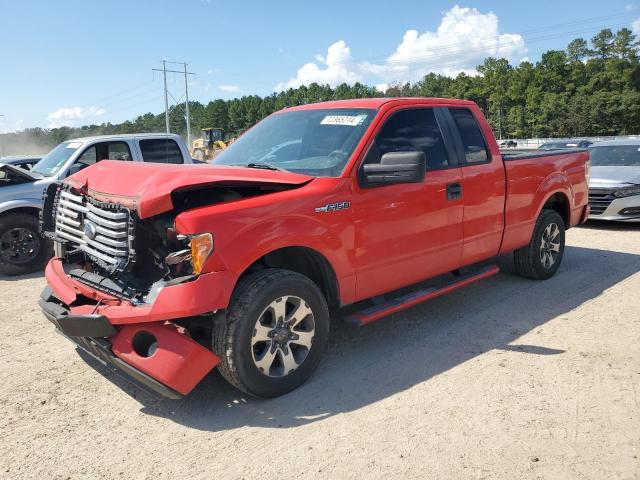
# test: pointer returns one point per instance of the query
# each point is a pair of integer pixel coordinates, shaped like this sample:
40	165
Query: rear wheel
275	333
542	257
22	248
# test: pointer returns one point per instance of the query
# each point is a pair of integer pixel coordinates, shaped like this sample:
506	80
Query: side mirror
395	167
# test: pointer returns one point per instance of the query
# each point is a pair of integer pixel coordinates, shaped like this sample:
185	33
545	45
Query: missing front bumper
174	366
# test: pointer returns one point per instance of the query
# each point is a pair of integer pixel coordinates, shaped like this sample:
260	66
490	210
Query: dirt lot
510	378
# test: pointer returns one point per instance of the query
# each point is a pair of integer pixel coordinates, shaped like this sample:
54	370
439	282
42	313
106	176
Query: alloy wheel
550	245
283	336
19	245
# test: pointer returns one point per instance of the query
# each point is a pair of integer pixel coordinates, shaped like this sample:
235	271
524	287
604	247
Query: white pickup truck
22	248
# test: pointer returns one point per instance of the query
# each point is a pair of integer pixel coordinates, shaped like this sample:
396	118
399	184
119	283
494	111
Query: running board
373	313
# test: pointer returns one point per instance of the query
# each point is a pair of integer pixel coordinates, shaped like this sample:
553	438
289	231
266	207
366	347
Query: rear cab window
473	142
161	150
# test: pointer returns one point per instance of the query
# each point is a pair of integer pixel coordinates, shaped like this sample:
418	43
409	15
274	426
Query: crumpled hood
606	177
147	187
26	174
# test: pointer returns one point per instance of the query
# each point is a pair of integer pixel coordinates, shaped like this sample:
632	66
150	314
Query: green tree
603	44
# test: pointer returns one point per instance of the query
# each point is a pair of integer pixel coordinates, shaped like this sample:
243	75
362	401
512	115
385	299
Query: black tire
532	261
33	255
232	338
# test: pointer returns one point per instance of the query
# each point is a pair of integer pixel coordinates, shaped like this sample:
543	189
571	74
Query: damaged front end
130	289
105	300
118	253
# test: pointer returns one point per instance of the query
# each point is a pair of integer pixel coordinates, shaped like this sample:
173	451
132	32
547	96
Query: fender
305	232
555	183
265	227
6	207
518	234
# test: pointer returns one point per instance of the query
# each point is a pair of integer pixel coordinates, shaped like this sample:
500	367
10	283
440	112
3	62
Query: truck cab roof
376	103
126	136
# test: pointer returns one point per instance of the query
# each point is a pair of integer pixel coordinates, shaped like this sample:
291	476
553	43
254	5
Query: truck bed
528	174
521	154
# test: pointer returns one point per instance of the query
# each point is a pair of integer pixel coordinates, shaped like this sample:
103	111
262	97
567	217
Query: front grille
103	231
600	199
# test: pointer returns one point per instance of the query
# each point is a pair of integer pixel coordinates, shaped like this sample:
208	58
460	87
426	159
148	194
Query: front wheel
542	257
22	248
275	333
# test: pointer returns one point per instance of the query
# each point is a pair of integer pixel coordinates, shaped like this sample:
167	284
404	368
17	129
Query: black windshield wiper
264	166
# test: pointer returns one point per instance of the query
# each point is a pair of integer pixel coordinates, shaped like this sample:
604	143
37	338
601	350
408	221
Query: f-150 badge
333	207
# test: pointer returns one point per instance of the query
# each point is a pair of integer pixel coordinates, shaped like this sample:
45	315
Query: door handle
454	191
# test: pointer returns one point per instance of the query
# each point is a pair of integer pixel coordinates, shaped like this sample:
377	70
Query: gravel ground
508	378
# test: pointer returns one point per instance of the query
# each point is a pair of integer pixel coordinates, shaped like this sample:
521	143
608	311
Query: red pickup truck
355	209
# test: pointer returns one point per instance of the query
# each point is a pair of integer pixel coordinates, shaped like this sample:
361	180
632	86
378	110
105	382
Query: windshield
312	142
55	159
616	156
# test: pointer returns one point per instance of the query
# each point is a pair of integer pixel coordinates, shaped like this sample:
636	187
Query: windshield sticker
74	145
345	120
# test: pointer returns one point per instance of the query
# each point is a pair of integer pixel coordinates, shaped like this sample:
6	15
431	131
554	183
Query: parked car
565	145
22	248
614	187
509	144
339	208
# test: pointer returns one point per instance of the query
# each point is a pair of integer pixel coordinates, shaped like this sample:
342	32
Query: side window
475	148
118	151
104	151
88	157
161	151
411	130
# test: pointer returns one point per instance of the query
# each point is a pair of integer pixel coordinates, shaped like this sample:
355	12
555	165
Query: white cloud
635	26
630	7
382	87
229	88
334	68
464	38
69	115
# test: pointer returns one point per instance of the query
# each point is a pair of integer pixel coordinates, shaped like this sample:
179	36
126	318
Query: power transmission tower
186	94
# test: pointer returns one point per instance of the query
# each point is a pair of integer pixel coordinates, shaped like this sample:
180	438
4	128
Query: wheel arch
559	202
305	261
21	209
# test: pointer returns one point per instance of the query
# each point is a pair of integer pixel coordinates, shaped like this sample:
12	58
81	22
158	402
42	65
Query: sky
71	62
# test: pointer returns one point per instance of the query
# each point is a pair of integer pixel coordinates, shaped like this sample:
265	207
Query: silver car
22	248
614	187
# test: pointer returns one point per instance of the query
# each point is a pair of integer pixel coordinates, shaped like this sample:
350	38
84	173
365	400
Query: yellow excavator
207	147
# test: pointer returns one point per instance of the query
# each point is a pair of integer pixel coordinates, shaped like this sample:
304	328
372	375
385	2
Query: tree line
588	89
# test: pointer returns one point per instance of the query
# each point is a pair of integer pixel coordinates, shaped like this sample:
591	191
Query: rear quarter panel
531	181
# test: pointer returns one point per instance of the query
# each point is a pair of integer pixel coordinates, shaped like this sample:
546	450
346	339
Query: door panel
483	186
408	232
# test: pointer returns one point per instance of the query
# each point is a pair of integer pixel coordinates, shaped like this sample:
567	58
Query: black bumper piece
88	332
77	325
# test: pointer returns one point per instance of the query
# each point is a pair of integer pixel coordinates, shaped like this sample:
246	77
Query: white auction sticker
346	120
74	145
